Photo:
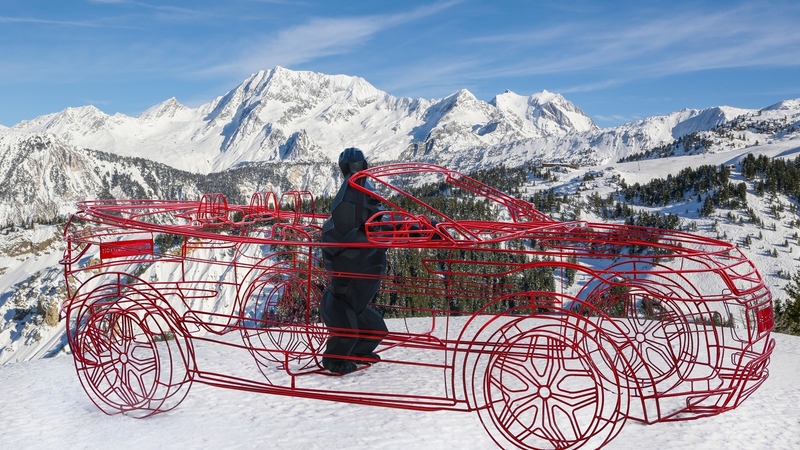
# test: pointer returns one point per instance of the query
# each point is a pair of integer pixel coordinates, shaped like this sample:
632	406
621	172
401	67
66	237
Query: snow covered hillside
32	285
41	178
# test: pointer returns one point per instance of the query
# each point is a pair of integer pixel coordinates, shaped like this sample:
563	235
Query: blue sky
617	60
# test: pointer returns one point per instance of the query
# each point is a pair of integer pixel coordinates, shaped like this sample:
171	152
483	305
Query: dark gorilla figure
345	302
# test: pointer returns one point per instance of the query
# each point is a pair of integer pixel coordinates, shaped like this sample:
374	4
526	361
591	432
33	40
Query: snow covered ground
42	405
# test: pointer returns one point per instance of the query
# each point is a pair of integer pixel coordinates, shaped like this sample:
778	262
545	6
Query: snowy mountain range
282	115
283	129
285	119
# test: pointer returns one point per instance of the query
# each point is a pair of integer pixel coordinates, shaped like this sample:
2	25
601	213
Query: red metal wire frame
519	209
128	351
284	294
553	385
263	203
659	325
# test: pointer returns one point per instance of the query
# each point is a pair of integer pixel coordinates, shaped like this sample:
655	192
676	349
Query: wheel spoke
576	400
553	359
519	370
509	415
661	360
509	411
550	428
636	359
649	327
126	334
673	330
523	404
96	343
146	364
131	389
620	334
104	373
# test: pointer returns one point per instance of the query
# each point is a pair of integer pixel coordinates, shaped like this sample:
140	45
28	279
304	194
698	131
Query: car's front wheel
129	355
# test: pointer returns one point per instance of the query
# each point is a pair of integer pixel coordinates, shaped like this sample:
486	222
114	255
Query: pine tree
787	312
708	207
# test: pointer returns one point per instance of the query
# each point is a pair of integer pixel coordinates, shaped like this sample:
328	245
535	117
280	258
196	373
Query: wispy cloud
616	118
589	87
745	36
142	5
317	38
70	23
164	12
432	78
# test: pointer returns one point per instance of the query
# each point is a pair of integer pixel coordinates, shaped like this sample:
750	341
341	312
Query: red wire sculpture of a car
555	333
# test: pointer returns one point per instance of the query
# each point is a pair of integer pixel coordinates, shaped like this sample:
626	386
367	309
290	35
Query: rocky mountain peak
784	105
550	113
167	108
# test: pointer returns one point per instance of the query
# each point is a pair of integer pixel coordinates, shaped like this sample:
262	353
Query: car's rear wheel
281	321
547	385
